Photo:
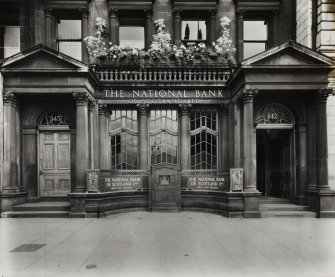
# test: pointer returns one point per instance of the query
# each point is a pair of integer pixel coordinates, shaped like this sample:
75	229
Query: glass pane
203	142
132	36
69	29
193	30
255	30
253	48
70	48
11	40
124	141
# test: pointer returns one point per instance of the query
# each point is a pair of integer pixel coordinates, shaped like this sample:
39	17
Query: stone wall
304	22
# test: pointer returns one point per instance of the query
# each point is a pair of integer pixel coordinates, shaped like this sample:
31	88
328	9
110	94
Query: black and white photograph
167	138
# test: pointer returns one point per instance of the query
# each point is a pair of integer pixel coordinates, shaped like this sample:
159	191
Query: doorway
54	163
275	162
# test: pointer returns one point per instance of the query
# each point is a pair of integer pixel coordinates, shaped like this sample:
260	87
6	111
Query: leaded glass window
163	136
204	136
124	139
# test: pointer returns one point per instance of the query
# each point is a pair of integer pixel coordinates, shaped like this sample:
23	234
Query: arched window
274	116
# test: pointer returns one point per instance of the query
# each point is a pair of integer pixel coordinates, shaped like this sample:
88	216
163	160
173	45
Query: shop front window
69	37
255	37
124	139
204	136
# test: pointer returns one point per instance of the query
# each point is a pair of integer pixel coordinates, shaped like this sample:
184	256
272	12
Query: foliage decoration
161	50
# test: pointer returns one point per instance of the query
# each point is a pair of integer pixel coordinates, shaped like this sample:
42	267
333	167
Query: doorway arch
275	151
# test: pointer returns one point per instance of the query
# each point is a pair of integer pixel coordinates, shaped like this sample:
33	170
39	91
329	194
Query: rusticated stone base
7	200
322	202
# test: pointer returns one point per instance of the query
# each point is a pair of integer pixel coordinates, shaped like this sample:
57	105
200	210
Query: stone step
283	207
287	214
273	200
43	206
46	214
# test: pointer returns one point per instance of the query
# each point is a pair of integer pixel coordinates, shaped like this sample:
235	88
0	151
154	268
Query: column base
77	204
9	199
322	202
251	204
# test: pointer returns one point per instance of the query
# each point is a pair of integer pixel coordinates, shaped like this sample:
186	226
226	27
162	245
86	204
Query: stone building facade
213	136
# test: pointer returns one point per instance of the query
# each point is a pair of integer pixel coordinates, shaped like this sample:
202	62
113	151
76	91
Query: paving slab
167	244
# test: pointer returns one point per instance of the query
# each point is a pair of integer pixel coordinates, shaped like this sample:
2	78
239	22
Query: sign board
208	183
109	182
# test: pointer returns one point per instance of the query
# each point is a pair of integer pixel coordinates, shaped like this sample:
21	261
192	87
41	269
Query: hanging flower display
161	49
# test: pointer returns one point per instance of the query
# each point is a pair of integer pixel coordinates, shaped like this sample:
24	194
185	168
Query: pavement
167	244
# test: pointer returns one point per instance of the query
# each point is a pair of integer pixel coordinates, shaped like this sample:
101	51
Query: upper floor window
69	37
132	36
9	41
255	37
193	31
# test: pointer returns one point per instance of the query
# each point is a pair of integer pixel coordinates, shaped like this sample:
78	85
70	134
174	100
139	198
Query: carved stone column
82	139
239	34
225	136
114	26
48	27
103	138
10	184
84	32
249	154
177	28
143	110
184	116
148	29
321	139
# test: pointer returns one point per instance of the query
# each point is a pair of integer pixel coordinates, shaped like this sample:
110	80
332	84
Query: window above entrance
255	37
274	116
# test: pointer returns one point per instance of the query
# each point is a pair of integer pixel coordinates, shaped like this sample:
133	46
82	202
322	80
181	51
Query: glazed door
55	163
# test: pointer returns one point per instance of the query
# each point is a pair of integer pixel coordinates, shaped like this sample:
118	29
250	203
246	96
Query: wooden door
55	163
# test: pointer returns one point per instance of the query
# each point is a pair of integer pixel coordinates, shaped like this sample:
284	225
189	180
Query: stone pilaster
177	28
303	162
143	112
84	34
48	27
239	34
225	136
104	134
91	107
238	112
83	100
249	155
148	29
184	115
275	27
114	26
212	27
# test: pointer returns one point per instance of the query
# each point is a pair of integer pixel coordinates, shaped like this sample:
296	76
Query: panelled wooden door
55	163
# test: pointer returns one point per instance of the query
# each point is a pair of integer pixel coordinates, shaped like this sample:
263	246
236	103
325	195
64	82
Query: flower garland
161	48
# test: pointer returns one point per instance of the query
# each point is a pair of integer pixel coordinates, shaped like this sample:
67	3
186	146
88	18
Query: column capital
91	105
248	95
148	13
103	109
112	12
9	98
184	108
240	13
322	95
224	108
212	13
82	98
48	12
84	13
143	108
177	12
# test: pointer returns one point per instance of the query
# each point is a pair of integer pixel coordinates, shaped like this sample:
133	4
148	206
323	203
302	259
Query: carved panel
54	119
274	114
236	179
